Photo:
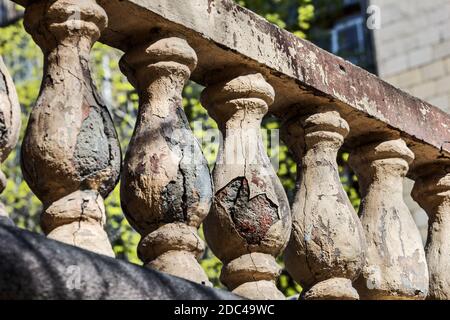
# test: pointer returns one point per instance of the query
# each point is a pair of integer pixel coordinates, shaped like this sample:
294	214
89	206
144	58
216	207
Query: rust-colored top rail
225	34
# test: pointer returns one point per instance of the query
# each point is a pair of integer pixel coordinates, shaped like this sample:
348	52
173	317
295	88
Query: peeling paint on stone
166	189
70	153
250	207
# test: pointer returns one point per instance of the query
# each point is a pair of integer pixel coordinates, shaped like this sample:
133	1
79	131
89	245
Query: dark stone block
34	267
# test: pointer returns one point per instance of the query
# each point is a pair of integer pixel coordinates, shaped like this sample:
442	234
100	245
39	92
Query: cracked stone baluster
9	126
70	154
432	192
166	189
249	224
327	246
395	266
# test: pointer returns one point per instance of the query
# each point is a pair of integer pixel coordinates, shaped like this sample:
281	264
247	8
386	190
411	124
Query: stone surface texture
432	192
327	241
250	208
71	157
166	189
298	70
395	266
70	154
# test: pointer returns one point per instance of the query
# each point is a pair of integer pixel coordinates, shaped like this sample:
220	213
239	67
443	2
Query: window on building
341	30
3	13
347	39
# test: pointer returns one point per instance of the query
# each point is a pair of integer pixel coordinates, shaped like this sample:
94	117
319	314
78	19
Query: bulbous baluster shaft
327	247
249	224
166	185
70	154
432	192
395	265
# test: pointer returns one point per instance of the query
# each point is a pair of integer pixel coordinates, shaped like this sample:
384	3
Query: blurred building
410	50
413	48
340	28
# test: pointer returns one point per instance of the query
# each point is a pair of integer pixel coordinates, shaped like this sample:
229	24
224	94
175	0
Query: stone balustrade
71	157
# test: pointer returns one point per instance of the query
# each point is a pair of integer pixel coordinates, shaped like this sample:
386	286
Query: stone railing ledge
225	34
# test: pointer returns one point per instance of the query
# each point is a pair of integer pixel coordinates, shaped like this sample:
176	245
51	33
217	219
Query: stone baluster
395	266
70	154
432	192
9	126
327	246
249	224
166	189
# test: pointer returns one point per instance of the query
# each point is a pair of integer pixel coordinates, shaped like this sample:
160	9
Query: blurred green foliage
24	61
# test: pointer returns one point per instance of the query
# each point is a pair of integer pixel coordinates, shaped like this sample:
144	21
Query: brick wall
413	53
413	48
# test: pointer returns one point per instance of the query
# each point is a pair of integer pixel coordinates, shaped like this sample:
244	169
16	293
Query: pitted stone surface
252	218
432	192
250	208
327	241
395	266
166	188
70	143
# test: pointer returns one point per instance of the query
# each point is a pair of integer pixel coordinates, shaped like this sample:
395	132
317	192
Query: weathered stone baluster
250	222
432	192
166	188
9	125
327	246
70	154
395	265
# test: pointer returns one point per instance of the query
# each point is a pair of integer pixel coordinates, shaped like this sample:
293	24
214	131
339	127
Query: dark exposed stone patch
3	125
252	218
92	148
172	200
3	85
192	187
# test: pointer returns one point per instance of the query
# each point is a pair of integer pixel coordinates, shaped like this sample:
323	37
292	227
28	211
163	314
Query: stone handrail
249	68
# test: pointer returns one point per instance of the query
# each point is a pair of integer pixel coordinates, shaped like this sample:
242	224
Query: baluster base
332	289
78	219
253	276
174	248
181	264
259	290
85	235
377	292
